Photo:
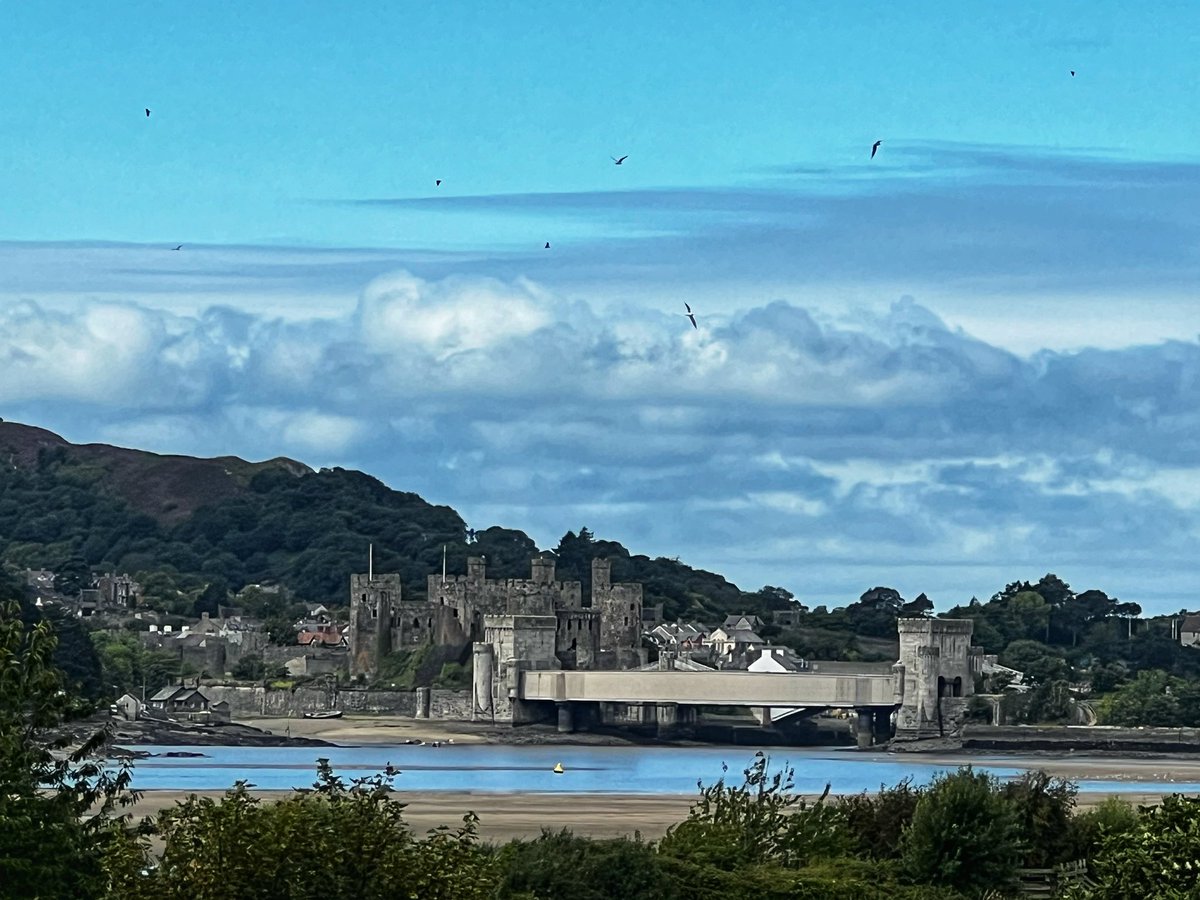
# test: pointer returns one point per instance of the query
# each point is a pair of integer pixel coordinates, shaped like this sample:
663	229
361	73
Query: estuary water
590	770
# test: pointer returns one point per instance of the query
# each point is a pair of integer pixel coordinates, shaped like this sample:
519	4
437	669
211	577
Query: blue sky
971	359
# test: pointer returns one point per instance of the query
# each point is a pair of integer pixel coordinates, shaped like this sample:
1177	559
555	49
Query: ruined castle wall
577	638
414	624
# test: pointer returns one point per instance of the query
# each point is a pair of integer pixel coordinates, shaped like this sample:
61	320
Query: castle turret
543	569
620	607
372	601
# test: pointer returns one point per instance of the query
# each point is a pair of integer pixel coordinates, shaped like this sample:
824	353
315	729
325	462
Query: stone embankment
1080	738
253	701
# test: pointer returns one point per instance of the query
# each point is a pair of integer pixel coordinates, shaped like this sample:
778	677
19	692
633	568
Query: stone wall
450	705
246	701
1081	738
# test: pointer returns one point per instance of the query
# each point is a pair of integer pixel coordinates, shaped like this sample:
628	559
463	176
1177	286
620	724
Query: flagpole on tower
370	562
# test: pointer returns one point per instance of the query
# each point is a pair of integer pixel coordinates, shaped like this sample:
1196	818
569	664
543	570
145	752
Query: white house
778	659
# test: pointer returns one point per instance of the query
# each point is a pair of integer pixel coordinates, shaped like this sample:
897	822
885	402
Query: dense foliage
68	511
56	801
966	835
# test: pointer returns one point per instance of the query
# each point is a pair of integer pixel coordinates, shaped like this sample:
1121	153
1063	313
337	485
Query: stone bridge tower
936	677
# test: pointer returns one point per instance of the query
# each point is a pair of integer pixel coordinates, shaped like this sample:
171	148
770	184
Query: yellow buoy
558	769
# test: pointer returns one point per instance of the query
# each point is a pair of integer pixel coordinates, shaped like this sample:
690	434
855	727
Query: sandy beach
356	730
506	816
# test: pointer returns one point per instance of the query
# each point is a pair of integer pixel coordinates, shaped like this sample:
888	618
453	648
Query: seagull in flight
875	148
180	247
621	160
147	114
1072	73
691	315
547	245
437	183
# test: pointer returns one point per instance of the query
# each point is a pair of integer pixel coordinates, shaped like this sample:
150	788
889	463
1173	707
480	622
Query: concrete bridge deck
724	688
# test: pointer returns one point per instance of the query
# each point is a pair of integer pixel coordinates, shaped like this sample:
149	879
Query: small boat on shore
330	714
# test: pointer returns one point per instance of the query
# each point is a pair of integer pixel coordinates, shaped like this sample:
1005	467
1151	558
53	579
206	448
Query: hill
192	529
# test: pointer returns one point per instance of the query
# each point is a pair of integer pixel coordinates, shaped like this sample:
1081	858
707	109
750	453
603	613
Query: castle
607	634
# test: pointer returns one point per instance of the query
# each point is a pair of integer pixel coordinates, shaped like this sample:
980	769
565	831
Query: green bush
341	842
1114	815
964	834
1158	857
563	865
762	820
877	821
1043	806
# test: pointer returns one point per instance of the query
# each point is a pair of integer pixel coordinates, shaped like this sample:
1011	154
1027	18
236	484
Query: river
587	769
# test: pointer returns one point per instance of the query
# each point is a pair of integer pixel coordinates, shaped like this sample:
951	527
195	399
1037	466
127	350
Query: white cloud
787	446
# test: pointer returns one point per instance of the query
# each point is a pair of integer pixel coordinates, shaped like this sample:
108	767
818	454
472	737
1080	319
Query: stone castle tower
620	609
373	601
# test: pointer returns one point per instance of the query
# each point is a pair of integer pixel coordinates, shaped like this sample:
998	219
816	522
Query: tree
250	668
1043	807
964	834
48	848
1036	660
922	606
1152	698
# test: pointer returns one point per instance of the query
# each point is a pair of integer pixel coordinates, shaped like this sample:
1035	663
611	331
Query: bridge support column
863	727
423	698
668	720
566	721
883	725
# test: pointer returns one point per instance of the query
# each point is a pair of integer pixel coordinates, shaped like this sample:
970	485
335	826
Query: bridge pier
883	725
566	720
864	728
667	717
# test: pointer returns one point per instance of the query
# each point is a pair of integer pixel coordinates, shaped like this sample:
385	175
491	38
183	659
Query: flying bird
621	160
147	114
437	183
180	247
875	148
691	315
1072	73
547	245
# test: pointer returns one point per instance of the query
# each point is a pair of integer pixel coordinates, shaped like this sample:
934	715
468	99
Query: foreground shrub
877	821
833	879
964	834
563	865
763	820
339	841
1088	828
1158	857
1043	806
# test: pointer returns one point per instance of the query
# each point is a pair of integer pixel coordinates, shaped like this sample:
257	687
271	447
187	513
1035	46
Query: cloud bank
776	443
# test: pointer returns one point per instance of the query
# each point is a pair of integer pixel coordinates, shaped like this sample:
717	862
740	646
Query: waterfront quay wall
1081	738
247	701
